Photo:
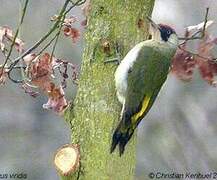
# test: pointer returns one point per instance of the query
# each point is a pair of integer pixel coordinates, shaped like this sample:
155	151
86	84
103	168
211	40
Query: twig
55	43
4	54
43	38
57	37
78	3
191	38
48	44
195	54
59	22
14	63
12	79
194	37
205	21
61	14
17	32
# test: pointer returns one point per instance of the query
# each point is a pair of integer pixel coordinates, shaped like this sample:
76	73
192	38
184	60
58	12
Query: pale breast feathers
121	73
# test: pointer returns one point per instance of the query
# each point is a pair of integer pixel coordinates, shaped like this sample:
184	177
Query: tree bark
95	111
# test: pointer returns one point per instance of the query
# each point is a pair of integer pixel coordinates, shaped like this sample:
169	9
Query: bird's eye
168	32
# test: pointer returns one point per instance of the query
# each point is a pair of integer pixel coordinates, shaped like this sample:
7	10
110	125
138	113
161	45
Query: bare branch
62	13
53	28
48	44
196	54
205	21
205	25
17	32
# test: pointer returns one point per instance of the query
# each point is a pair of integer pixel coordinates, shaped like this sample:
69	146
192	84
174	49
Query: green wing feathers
129	122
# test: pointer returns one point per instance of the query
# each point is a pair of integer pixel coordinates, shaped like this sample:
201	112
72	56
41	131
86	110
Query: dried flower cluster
39	69
6	34
184	62
39	72
68	27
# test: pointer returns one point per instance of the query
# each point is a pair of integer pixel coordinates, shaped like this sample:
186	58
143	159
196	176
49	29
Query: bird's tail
129	121
123	133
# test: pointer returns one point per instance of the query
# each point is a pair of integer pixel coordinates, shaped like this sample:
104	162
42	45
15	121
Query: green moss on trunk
96	108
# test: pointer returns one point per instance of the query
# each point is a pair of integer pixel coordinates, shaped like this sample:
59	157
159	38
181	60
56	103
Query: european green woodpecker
139	78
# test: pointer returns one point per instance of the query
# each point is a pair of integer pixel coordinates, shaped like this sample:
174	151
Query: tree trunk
96	110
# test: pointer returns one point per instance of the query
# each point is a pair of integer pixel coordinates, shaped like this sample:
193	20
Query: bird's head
163	33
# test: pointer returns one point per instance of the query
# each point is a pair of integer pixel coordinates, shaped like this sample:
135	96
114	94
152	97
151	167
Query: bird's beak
153	24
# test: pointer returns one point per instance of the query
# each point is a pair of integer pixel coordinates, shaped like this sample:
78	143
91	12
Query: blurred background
178	134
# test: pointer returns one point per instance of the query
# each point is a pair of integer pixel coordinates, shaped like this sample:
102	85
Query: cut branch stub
66	159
